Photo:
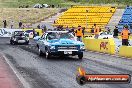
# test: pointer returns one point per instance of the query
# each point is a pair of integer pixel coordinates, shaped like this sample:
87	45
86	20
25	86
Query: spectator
20	24
52	6
72	30
38	26
83	30
92	29
115	35
67	29
42	26
34	33
45	28
5	23
108	31
79	33
54	22
12	23
125	35
96	31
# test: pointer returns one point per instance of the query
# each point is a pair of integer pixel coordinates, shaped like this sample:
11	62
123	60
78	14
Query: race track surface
61	72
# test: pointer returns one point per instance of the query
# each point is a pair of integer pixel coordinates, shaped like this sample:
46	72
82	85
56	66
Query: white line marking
19	76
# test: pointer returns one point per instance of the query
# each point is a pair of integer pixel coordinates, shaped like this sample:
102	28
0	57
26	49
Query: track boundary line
19	76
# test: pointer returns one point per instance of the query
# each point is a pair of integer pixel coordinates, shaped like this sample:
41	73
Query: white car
105	35
45	5
102	35
38	6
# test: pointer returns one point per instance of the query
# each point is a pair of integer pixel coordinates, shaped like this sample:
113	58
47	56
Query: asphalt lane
61	72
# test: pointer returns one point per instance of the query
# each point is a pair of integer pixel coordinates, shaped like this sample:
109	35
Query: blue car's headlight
82	47
52	47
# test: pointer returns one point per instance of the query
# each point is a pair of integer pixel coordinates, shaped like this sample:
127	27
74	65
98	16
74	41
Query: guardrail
125	51
100	45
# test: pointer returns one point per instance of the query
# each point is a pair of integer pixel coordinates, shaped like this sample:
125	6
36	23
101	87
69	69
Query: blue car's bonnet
64	42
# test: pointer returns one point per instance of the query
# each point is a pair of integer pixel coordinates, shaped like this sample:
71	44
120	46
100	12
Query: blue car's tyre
47	55
80	56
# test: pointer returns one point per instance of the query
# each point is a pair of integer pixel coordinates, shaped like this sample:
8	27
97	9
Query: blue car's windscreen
52	35
66	35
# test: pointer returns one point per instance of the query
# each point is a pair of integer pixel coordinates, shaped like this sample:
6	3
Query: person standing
92	29
83	30
20	24
96	31
67	29
115	35
34	33
108	31
79	33
72	30
12	24
125	35
5	23
38	26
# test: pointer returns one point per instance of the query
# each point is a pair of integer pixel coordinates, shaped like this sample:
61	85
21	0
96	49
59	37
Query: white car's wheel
40	53
11	42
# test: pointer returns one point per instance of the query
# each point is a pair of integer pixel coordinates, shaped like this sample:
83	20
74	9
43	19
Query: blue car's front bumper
59	53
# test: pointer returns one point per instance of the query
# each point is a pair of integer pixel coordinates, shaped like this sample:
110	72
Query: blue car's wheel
47	55
80	56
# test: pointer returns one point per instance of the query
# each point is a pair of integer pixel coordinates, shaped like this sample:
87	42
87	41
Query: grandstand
86	16
126	19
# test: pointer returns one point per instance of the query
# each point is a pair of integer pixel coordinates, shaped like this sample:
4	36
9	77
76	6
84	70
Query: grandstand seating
126	19
86	16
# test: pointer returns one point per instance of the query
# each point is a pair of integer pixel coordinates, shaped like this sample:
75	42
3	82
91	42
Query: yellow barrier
125	51
100	45
39	32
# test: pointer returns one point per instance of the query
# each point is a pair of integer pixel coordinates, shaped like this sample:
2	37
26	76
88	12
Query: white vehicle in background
41	5
38	6
105	35
45	5
102	35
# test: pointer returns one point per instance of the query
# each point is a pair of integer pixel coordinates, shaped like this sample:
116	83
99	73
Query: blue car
59	43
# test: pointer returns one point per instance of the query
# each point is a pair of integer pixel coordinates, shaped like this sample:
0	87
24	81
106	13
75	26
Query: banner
4	32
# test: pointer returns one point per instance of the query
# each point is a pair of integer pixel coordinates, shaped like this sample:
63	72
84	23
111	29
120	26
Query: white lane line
19	76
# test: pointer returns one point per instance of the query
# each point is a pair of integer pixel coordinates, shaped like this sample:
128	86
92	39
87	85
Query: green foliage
31	3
